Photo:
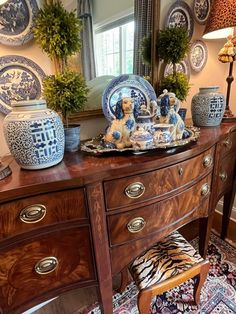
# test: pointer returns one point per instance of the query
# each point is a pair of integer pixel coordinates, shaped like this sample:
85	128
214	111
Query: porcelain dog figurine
170	105
122	127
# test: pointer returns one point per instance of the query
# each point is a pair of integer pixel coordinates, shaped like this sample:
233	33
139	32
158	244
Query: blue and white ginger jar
34	134
208	107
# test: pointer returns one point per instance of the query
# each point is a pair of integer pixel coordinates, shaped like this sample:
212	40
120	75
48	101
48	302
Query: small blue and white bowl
141	139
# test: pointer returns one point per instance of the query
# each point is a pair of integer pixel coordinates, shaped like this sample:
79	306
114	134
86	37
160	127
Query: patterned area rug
218	296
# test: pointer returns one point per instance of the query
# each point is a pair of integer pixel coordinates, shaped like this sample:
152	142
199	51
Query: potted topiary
172	47
57	31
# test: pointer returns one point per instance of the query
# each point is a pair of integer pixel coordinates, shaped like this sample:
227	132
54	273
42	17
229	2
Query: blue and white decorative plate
181	67
180	15
126	85
201	10
16	21
198	55
20	79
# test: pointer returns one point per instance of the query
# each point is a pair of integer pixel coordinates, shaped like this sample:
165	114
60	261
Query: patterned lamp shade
221	20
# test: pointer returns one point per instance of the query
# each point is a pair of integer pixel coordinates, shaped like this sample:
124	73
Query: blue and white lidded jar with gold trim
34	134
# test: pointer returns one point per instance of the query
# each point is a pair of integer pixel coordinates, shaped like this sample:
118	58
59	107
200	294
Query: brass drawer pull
207	161
223	176
205	189
181	171
33	213
228	143
135	190
136	225
46	265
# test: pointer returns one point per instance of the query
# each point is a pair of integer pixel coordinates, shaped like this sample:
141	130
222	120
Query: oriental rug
218	296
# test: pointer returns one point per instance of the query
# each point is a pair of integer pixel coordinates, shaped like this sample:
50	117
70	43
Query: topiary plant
172	44
176	83
65	93
57	31
172	47
145	49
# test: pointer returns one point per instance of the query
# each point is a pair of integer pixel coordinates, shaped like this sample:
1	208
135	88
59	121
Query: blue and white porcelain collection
138	120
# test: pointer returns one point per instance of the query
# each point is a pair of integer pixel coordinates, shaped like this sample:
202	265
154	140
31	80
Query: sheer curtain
87	51
142	20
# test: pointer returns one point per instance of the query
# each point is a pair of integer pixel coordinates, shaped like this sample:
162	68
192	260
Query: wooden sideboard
80	222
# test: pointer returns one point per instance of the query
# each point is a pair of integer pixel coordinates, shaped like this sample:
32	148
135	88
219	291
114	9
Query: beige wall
214	73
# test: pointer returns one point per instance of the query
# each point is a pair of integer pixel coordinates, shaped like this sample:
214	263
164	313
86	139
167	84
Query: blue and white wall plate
20	79
201	10
16	21
180	14
181	67
126	85
198	55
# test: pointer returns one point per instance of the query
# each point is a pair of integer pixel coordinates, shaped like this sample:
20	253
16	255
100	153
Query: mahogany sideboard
80	222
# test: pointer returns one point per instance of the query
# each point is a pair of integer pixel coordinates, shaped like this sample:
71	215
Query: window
114	48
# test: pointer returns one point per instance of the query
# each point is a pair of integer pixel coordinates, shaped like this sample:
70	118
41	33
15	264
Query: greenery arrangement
177	84
172	47
65	92
145	49
57	31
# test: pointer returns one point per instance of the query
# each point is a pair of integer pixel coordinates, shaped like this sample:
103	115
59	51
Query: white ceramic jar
208	107
34	134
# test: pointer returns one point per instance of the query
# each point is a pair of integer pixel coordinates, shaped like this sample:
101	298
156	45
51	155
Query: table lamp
220	24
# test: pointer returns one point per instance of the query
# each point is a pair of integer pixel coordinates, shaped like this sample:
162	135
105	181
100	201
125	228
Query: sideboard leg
227	209
101	245
205	224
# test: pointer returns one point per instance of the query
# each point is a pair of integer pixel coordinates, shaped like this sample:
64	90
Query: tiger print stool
165	265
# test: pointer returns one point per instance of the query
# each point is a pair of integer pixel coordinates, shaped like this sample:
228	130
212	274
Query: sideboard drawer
48	263
152	185
144	221
225	175
33	212
228	144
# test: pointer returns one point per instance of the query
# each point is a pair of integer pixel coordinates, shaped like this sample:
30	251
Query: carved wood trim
85	115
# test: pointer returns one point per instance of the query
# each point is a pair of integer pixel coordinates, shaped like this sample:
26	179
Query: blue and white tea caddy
34	134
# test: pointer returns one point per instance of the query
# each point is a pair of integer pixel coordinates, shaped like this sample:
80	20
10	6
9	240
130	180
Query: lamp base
5	170
228	116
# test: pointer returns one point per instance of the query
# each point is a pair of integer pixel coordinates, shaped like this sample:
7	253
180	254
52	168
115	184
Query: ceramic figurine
146	117
170	105
141	139
122	127
163	133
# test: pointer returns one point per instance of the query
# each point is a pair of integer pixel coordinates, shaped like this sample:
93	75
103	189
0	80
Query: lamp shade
221	20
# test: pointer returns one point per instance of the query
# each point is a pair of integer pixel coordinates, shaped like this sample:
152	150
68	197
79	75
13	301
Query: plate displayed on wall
180	14
182	67
126	85
201	10
198	55
17	18
20	79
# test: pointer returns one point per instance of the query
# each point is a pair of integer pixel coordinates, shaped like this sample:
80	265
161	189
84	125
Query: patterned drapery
143	24
84	9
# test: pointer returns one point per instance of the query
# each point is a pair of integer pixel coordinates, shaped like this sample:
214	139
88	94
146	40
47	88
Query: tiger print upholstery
167	258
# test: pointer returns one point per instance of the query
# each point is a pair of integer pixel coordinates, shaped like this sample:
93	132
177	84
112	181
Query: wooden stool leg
124	281
200	279
144	302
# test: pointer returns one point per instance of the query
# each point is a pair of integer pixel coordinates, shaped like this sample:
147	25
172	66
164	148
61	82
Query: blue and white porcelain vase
208	107
34	134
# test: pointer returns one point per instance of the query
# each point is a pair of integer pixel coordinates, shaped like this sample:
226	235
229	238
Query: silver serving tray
95	145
